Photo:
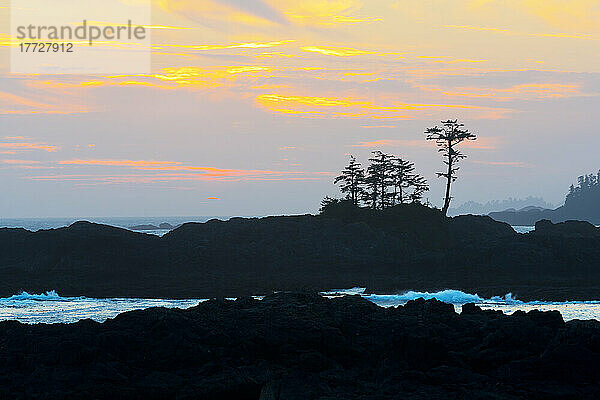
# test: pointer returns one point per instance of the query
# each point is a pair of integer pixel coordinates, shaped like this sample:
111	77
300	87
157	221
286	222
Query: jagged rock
302	346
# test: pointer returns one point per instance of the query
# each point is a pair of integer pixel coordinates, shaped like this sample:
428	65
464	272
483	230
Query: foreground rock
302	346
402	248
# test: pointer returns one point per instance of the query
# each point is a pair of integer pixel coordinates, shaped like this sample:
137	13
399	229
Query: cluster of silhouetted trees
391	180
387	181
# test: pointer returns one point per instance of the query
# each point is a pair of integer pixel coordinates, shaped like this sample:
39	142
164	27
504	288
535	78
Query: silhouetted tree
420	187
327	203
352	180
371	194
402	177
447	138
379	179
571	191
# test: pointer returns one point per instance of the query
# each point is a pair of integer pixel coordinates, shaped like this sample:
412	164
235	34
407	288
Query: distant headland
582	203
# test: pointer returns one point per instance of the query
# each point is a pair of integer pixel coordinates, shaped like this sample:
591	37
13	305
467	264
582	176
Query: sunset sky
253	106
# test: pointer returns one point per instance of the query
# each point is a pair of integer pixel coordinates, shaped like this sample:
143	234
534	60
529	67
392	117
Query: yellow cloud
324	12
336	51
521	33
573	15
205	47
333	107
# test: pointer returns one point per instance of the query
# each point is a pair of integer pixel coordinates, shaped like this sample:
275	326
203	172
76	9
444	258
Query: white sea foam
447	296
48	296
50	307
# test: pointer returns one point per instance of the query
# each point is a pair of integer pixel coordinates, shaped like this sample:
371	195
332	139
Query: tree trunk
449	176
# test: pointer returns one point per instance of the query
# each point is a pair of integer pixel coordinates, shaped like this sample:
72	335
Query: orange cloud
19	162
29	146
164	177
180	172
120	163
14	104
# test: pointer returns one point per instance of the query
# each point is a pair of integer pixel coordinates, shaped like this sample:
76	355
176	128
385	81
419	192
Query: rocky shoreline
403	248
304	346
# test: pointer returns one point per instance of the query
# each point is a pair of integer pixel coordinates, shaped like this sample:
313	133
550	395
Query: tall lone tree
447	138
352	180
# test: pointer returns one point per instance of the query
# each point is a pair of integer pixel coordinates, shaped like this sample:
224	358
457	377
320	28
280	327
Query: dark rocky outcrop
302	346
406	247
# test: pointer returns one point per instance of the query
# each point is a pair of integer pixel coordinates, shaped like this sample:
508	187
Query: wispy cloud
20	162
19	104
503	31
336	51
354	108
163	171
121	163
24	146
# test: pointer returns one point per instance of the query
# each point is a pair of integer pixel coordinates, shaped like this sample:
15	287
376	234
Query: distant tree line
473	207
390	180
588	187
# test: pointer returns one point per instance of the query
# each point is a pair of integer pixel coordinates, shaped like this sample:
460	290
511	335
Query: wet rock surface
303	346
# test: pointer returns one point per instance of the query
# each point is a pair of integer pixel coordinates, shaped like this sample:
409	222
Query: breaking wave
451	296
47	296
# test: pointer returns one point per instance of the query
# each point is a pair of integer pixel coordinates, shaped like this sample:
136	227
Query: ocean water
51	308
507	304
523	229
